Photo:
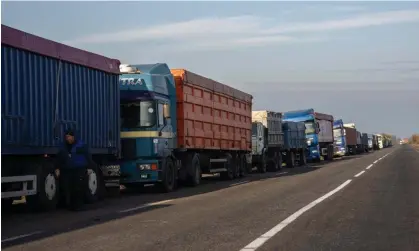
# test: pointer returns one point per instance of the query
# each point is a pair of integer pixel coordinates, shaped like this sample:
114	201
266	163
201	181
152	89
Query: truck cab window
140	114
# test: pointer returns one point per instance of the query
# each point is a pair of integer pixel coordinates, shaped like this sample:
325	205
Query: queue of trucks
144	124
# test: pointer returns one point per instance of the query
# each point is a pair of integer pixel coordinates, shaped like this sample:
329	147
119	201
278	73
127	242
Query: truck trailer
47	88
351	138
181	126
274	141
319	132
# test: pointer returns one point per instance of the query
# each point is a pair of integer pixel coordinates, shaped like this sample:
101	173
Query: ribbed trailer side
44	92
211	115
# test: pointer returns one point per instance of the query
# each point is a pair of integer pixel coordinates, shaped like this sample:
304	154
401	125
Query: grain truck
319	132
47	88
274	141
178	125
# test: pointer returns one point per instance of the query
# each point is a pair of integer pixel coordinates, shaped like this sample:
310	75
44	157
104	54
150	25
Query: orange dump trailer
214	123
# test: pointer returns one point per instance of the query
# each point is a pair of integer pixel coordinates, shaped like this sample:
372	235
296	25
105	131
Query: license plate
143	176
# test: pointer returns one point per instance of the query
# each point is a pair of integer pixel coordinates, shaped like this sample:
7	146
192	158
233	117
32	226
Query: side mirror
166	111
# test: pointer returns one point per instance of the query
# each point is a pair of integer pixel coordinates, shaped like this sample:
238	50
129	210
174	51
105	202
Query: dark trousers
74	184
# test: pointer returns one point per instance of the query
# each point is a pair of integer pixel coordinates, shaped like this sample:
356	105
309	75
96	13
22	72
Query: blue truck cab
148	124
339	138
319	132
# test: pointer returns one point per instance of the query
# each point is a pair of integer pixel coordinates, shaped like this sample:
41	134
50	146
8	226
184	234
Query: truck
365	142
274	141
47	88
341	148
178	125
267	140
370	142
375	142
380	141
351	138
394	140
386	140
319	132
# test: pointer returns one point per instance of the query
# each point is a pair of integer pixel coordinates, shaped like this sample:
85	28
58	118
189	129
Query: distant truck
370	142
351	138
375	144
341	147
365	142
274	141
319	132
177	125
380	141
46	89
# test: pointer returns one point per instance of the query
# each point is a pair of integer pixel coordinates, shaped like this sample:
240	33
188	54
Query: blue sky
358	61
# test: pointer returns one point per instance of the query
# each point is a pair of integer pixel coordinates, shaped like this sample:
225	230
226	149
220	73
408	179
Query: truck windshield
310	127
140	114
337	133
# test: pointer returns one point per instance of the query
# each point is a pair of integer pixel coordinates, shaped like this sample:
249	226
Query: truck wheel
279	160
237	166
47	195
194	171
243	166
169	177
262	165
95	185
291	160
229	175
303	158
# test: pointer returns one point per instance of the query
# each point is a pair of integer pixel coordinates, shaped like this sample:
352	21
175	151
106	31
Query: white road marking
271	233
359	174
281	173
375	161
239	183
368	167
20	236
144	206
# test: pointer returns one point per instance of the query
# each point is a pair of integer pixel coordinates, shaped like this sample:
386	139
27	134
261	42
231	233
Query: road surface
365	202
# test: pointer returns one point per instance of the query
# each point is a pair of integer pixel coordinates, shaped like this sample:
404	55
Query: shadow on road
47	224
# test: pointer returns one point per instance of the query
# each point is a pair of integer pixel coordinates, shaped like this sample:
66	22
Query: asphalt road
307	208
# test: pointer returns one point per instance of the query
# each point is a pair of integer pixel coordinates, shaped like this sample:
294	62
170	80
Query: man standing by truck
74	160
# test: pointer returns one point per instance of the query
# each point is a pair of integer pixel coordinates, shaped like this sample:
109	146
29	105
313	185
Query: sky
358	61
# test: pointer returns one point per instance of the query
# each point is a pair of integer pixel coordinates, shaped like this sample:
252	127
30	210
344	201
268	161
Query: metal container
273	122
211	115
294	135
48	87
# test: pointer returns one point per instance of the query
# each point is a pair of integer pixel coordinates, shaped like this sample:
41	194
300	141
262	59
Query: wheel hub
92	181
50	186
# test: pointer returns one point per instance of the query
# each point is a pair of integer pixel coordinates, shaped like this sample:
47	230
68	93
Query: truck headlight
144	166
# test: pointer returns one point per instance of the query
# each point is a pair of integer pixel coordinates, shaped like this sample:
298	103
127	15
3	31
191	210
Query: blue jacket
78	157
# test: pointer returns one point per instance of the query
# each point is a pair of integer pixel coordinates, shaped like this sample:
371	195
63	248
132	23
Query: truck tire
279	161
243	166
262	164
303	158
95	185
47	184
194	172
168	183
229	174
290	159
237	165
